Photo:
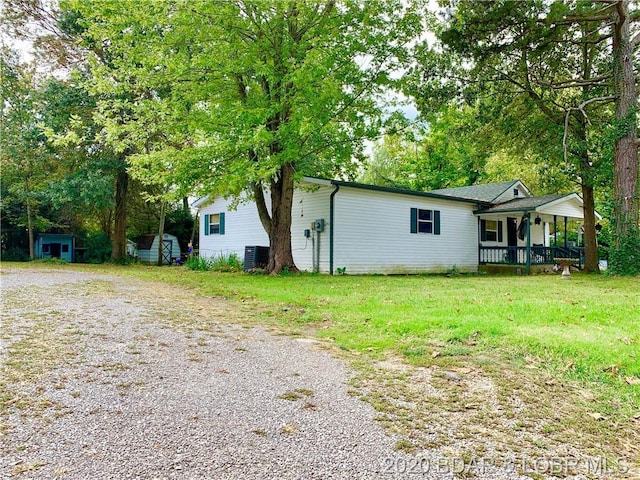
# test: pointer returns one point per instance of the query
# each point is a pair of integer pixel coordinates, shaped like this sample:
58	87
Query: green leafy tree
55	33
256	93
449	153
85	188
26	157
550	56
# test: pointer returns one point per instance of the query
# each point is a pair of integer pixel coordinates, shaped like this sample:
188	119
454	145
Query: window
490	231
214	224
45	248
425	221
65	248
516	192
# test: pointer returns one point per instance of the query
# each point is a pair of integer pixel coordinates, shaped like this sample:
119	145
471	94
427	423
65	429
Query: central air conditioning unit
255	257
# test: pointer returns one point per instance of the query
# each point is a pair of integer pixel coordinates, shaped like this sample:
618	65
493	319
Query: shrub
53	260
219	263
625	259
15	254
98	248
227	263
198	263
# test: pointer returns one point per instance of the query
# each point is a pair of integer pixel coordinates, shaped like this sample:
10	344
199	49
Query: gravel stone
145	398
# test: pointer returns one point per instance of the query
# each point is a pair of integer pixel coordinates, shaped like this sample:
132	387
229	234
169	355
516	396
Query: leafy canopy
237	89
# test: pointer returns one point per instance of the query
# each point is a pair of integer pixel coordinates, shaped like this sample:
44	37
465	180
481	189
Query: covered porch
529	234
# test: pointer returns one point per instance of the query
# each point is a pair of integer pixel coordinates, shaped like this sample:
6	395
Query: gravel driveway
114	378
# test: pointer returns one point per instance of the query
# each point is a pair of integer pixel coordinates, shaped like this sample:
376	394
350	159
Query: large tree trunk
280	253
263	212
589	225
625	174
163	211
119	235
588	209
32	253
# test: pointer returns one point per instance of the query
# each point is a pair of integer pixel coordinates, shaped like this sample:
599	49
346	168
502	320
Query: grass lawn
565	346
588	326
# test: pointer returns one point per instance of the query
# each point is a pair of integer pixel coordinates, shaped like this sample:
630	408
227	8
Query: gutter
331	224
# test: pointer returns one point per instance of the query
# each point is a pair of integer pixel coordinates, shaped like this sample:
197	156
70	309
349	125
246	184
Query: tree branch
261	204
580	108
575	82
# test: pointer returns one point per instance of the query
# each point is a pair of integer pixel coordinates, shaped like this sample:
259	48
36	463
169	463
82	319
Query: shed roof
56	235
146	241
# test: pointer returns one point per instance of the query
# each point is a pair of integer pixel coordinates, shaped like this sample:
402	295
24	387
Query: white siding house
226	228
241	226
366	229
375	233
360	229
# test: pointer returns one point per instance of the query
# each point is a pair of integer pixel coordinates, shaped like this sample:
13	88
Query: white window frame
428	223
214	224
491	233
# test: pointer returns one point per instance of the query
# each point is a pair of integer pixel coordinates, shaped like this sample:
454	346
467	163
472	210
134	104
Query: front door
55	250
512	238
167	248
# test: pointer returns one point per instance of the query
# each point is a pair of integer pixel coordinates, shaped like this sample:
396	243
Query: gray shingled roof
487	192
523	204
146	242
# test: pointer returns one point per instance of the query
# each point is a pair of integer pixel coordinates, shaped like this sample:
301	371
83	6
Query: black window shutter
221	223
483	230
414	220
499	231
206	224
436	222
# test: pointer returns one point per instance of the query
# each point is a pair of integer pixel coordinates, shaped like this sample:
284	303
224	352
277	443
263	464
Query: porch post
528	269
565	232
555	230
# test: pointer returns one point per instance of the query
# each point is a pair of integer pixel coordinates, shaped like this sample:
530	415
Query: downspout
331	224
479	233
528	269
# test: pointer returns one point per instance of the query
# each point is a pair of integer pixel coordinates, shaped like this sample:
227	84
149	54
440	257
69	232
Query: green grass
588	326
570	350
590	322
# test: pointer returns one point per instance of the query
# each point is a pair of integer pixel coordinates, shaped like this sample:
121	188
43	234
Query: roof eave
512	210
402	191
537	208
200	202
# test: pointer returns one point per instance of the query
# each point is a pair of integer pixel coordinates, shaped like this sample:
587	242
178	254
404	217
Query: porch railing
539	255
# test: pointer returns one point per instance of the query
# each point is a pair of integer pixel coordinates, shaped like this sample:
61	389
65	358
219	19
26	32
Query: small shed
55	245
148	249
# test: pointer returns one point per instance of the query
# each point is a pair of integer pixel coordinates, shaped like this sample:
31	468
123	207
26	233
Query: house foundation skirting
516	269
